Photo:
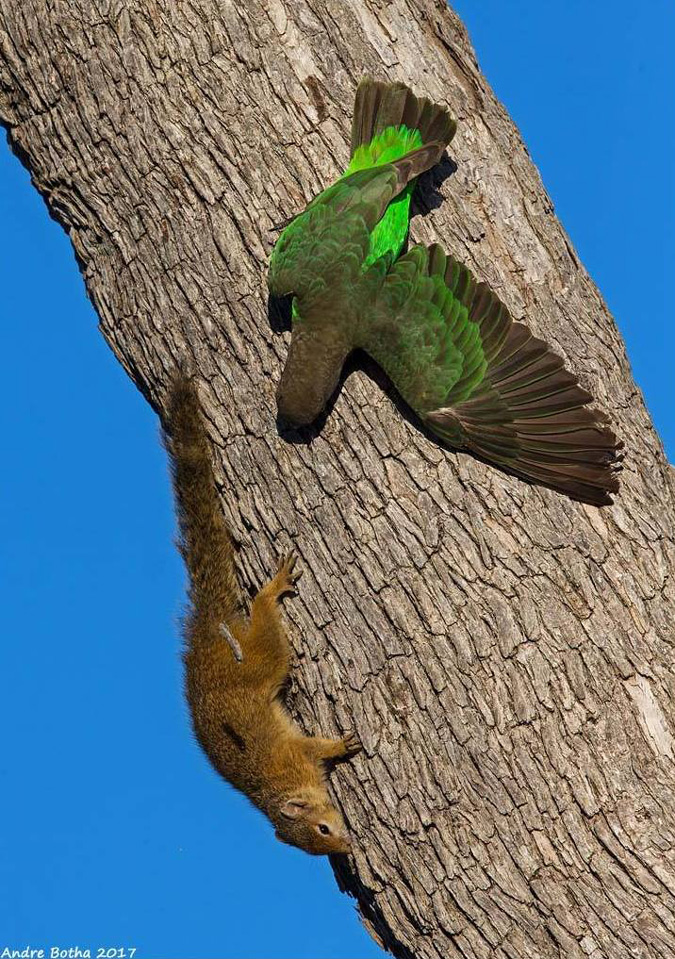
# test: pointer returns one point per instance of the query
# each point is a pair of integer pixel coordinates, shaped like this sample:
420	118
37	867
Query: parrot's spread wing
482	381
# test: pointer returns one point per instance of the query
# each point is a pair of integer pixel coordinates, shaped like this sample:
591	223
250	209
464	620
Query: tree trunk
505	654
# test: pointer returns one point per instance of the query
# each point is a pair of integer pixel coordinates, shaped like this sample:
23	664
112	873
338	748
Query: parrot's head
311	375
300	399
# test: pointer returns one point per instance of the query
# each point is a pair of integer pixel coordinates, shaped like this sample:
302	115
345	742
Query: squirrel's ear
292	808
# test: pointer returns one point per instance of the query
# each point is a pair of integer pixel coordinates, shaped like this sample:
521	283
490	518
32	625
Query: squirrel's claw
352	744
289	572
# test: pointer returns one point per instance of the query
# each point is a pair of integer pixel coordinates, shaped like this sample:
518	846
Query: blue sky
115	830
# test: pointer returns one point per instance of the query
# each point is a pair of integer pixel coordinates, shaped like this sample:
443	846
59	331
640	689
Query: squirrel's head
310	822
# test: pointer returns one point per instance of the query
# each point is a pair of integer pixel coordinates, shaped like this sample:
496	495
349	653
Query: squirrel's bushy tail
204	539
381	105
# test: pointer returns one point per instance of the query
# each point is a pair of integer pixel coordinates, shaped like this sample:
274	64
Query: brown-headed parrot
476	378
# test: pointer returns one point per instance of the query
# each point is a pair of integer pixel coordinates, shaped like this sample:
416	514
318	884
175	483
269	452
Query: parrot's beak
292	416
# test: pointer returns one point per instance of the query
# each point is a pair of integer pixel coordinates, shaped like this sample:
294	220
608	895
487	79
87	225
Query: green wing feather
412	327
482	381
391	231
395	137
311	243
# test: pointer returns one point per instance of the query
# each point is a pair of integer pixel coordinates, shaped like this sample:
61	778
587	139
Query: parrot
478	380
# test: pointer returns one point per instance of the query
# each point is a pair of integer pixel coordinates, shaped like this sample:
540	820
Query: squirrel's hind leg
265	645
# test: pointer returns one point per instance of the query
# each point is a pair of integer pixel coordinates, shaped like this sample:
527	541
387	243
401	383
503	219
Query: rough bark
505	654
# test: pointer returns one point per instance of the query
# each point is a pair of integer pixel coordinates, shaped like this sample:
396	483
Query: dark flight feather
528	413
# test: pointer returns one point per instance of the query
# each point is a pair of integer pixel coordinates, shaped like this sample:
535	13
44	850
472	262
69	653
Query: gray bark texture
506	655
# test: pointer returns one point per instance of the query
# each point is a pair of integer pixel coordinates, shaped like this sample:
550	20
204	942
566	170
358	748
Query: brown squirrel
236	667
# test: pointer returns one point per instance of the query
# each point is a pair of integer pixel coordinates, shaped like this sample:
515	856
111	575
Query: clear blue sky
114	830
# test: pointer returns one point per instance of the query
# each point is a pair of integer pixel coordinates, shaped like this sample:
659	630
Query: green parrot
477	379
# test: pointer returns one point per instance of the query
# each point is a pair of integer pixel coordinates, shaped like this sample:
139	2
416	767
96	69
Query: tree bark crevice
506	655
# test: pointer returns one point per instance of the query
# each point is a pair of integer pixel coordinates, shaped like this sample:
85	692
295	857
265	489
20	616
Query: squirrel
236	667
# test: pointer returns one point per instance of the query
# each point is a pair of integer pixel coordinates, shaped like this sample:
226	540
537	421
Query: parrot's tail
382	105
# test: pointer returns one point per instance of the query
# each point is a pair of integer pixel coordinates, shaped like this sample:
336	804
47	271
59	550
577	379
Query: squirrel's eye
324	829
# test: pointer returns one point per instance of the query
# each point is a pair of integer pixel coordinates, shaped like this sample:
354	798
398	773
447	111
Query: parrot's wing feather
405	325
332	233
320	248
372	189
311	246
511	402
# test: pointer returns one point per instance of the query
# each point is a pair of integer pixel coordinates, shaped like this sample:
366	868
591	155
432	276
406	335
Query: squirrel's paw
352	744
288	573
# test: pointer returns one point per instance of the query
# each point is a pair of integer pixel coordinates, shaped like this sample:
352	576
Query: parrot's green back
478	380
391	232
